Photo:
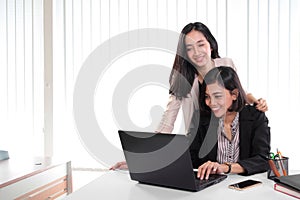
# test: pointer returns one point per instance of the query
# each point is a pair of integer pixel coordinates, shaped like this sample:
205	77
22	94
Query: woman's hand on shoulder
119	165
261	105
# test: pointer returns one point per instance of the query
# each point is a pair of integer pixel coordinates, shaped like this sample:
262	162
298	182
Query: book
292	181
287	190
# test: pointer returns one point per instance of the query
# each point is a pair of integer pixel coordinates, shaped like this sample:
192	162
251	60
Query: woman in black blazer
236	138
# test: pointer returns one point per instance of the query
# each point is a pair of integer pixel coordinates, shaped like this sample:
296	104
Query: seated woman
236	139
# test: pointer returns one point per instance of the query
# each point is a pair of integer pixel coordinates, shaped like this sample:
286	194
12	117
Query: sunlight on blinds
21	82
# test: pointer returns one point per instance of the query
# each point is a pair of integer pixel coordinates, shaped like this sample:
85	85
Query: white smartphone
245	184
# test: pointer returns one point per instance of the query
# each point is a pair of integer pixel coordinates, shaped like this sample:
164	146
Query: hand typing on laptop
216	168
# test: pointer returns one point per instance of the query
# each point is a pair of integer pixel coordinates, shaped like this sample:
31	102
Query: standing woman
197	53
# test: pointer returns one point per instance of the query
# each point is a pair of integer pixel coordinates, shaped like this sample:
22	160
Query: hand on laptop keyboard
210	168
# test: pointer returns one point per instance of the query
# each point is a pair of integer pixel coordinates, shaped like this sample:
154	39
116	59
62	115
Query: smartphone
245	184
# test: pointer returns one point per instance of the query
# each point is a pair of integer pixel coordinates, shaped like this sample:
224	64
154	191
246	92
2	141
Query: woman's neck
229	117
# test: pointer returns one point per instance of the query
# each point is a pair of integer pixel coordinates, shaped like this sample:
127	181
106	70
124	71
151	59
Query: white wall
262	37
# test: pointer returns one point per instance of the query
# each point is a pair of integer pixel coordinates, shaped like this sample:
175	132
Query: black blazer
254	141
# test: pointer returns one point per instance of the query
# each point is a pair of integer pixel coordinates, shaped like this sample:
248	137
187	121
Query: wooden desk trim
26	176
44	191
39	167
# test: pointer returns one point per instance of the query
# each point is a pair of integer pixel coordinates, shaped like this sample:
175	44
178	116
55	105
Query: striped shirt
228	150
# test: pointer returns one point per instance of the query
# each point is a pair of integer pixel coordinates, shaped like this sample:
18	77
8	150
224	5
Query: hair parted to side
227	78
183	72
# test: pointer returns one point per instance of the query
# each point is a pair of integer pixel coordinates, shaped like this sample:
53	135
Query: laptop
162	160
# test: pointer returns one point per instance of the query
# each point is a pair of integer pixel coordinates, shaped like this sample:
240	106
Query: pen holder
278	167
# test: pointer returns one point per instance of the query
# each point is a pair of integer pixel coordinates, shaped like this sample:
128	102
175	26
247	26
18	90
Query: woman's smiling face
219	99
197	48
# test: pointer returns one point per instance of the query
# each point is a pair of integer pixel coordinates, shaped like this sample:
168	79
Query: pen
273	167
281	164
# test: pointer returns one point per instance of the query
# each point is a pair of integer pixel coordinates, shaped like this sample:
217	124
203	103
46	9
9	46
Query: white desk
118	185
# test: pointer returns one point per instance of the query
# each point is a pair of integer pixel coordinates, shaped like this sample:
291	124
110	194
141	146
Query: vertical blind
262	38
21	76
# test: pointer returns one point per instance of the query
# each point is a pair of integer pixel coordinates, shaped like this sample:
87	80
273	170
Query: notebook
162	160
287	190
292	181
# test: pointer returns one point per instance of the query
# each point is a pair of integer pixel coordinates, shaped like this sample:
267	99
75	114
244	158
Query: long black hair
183	72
